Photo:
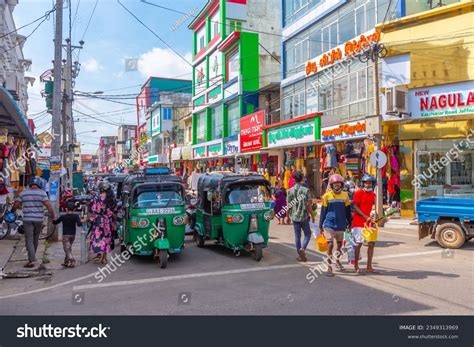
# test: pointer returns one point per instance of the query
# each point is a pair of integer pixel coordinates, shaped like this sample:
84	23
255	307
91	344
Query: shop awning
176	154
12	118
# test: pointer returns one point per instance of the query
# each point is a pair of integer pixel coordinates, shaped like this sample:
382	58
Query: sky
112	37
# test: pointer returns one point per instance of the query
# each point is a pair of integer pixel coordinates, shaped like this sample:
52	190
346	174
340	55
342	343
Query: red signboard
251	132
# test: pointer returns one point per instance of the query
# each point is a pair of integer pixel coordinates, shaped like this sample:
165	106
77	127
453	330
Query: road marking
181	277
412	254
48	288
392	256
391	232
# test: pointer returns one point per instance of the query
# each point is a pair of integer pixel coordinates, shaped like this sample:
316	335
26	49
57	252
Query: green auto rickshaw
154	214
235	211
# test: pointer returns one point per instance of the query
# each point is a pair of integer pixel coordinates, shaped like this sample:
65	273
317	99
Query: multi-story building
126	135
327	87
13	82
428	103
236	71
106	153
157	104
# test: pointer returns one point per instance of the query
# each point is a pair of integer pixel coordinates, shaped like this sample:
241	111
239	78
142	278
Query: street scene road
415	278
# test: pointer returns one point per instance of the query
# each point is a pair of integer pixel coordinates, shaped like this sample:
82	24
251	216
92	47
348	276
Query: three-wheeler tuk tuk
235	211
154	214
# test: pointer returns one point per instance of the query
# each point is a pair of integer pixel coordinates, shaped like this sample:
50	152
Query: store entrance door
312	169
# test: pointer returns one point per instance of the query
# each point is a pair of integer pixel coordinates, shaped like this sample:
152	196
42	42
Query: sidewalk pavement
50	255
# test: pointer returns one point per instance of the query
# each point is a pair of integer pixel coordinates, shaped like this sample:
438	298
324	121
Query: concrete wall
12	63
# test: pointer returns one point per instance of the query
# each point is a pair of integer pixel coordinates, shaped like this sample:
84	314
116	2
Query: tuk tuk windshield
159	199
247	193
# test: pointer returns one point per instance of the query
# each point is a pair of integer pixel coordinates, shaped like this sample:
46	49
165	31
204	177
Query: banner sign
442	100
292	134
251	132
343	132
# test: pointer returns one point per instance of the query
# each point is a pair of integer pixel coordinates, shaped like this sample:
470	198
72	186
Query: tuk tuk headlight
143	223
178	220
268	215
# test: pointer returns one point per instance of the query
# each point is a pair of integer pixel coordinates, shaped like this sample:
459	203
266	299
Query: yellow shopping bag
370	232
321	244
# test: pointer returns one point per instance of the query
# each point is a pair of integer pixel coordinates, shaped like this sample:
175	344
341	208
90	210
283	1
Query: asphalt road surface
415	278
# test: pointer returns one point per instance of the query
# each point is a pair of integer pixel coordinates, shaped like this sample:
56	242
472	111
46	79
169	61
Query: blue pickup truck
449	221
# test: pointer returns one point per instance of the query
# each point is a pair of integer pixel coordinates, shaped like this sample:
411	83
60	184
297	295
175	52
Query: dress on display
330	153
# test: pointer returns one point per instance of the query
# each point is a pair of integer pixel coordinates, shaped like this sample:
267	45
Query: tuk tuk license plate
255	206
160	210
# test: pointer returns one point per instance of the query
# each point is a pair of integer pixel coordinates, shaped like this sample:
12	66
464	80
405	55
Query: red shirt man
362	202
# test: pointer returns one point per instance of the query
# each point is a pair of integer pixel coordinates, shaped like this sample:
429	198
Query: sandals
339	267
29	265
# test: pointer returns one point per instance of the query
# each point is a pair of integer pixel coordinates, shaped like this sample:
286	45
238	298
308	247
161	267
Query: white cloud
164	63
92	65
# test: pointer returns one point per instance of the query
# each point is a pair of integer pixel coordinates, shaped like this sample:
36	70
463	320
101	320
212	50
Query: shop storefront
208	156
251	158
437	145
231	150
293	144
17	147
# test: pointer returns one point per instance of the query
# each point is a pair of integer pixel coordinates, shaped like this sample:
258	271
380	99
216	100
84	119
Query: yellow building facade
436	135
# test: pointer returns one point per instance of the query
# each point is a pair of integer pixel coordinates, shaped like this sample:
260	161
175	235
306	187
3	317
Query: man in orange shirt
362	203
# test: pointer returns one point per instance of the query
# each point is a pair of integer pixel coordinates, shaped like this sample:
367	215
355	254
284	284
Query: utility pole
378	137
56	119
68	121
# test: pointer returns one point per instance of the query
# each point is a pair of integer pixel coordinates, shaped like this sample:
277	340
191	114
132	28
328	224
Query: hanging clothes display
394	164
330	153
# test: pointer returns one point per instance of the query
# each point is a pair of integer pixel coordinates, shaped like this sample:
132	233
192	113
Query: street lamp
86	132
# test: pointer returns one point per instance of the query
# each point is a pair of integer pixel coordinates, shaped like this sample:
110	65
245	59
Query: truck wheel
258	252
163	258
450	235
199	239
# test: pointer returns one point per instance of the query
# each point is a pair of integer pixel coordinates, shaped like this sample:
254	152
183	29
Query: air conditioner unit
397	101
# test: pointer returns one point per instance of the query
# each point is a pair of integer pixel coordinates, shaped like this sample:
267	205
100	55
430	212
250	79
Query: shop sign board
342	132
251	132
199	152
443	100
341	52
187	153
232	147
214	150
292	135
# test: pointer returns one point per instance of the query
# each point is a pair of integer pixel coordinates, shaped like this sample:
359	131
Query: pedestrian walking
300	211
70	220
33	201
103	206
335	219
280	202
363	202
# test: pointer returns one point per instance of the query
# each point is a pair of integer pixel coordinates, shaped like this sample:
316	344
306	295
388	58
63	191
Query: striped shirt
33	208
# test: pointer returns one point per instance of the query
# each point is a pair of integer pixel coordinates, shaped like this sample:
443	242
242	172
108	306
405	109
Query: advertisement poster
53	190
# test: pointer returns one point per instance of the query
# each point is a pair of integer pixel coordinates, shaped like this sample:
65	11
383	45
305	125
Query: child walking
69	220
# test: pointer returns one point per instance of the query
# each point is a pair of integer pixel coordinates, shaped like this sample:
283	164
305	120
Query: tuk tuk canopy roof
222	179
157	186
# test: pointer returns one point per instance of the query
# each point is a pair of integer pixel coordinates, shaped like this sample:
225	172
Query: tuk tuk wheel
163	258
199	239
258	251
450	235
